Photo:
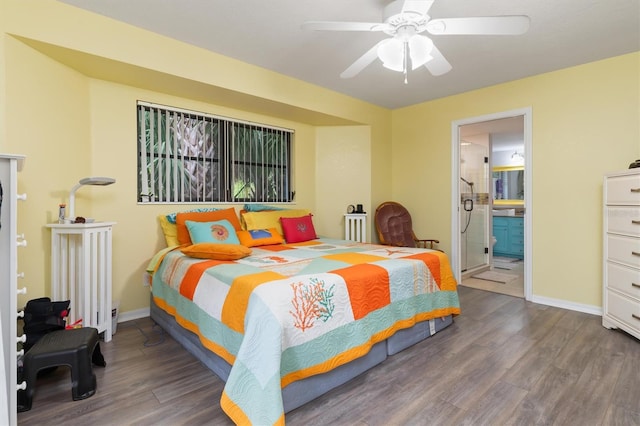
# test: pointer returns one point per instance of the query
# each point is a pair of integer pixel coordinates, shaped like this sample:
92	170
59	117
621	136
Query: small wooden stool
73	348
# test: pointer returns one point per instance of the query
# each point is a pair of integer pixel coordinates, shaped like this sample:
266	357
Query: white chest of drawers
10	241
621	268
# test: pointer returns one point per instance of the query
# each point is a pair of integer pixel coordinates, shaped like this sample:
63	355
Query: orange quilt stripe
432	260
192	276
449	282
354	258
438	264
237	300
237	415
368	287
275	247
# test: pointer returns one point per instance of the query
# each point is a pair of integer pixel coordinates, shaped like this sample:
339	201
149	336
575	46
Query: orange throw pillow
181	218
216	251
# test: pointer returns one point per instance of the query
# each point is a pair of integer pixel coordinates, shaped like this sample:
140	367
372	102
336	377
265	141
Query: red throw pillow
298	229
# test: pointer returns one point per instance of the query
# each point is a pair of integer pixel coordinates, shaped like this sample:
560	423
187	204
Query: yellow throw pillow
216	251
267	220
169	230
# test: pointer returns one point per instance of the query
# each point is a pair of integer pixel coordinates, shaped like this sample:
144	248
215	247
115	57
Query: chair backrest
393	224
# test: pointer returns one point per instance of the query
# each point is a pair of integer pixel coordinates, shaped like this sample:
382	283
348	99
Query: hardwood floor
511	288
504	361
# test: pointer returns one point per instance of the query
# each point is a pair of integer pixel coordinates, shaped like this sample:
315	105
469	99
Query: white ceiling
268	33
507	134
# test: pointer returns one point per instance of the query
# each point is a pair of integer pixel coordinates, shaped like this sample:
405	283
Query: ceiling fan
404	21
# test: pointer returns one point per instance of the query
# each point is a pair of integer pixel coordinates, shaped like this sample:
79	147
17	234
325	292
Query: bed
291	321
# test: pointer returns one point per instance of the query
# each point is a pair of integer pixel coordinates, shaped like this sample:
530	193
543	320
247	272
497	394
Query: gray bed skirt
302	391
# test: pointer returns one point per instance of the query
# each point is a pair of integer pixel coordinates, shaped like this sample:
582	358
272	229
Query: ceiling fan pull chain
405	54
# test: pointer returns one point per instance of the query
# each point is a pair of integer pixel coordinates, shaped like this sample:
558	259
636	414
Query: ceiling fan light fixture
391	53
405	20
419	49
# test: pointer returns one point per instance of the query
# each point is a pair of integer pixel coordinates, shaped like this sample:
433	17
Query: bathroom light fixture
517	156
97	180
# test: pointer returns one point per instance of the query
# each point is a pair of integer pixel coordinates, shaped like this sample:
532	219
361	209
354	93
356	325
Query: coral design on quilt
311	302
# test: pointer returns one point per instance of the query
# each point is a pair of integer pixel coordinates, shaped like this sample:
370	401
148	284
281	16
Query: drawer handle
635	253
635	222
635	189
636	316
635	285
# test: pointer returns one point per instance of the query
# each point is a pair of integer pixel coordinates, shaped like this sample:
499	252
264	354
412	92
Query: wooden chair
394	227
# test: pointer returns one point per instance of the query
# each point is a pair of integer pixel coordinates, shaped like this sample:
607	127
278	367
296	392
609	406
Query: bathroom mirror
508	185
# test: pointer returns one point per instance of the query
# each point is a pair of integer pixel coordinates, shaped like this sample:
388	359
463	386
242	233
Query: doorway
489	154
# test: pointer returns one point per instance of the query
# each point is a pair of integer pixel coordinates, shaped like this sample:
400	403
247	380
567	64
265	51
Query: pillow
260	237
171	217
261	208
271	219
169	230
212	216
216	251
298	229
219	232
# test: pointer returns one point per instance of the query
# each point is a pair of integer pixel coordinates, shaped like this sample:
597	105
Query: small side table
81	271
355	227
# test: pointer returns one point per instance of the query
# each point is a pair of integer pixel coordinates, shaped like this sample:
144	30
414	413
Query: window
190	157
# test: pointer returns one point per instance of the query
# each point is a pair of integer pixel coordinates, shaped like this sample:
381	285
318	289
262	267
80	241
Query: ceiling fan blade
362	62
417	6
438	65
490	25
343	26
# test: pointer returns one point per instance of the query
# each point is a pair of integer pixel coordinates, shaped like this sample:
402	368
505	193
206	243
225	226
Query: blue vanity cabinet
509	233
501	232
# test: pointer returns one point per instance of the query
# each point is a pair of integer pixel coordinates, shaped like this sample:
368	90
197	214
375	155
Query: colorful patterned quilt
287	312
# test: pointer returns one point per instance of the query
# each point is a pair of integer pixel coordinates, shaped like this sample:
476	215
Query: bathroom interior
492	212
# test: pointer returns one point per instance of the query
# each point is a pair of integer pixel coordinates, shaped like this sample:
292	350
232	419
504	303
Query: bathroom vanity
509	234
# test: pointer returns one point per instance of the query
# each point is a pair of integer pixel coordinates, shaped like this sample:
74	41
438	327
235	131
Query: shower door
475	241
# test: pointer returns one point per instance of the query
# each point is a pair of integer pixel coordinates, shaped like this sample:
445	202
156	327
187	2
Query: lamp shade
420	50
391	53
96	180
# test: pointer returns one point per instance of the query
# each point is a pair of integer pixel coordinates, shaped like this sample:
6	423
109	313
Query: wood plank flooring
504	361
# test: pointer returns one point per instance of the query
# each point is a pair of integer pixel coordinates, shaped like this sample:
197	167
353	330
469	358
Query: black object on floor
74	348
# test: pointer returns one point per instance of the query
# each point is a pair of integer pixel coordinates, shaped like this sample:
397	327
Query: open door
474	190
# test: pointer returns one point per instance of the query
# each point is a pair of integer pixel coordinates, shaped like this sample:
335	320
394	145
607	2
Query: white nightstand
355	227
81	272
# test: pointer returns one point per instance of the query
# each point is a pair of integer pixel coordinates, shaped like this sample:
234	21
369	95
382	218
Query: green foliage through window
192	157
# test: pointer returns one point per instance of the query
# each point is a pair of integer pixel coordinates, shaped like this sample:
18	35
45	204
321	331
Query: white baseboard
132	315
564	304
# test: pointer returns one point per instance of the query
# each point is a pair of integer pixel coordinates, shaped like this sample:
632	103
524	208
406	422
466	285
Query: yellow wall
343	175
71	79
586	122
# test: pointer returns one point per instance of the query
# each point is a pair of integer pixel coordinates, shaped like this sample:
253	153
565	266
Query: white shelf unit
355	227
621	265
10	240
81	271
